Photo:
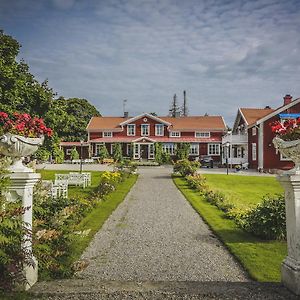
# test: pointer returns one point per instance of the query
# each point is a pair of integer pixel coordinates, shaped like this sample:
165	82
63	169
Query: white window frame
68	151
111	149
175	134
162	133
132	126
254	151
107	134
216	146
97	148
148	129
128	146
202	134
254	131
194	149
169	148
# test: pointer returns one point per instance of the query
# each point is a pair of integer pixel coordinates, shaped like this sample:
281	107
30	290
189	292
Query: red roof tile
253	114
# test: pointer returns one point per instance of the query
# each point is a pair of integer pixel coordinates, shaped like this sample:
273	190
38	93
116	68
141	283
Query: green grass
244	191
261	259
73	191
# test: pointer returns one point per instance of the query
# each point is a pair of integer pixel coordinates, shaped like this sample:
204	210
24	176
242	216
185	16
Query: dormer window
107	134
202	134
131	129
159	129
175	134
145	129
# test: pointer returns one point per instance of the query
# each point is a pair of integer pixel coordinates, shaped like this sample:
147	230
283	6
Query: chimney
125	114
287	99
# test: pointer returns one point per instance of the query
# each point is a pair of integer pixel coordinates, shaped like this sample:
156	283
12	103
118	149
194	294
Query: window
131	129
68	151
168	148
213	149
107	134
284	158
253	151
128	149
194	149
144	129
202	134
97	149
175	134
253	130
111	149
159	129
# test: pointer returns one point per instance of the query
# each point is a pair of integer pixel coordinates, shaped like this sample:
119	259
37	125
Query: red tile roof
253	114
180	123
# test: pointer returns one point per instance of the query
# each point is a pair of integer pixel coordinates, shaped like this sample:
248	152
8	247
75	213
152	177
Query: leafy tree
158	152
42	154
117	152
19	90
69	117
182	151
103	153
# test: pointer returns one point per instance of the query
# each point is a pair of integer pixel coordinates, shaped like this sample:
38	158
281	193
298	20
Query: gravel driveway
156	235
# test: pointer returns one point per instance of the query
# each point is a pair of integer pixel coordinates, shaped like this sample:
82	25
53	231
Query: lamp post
81	144
227	155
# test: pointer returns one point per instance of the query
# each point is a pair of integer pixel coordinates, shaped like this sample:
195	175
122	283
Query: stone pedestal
290	269
21	187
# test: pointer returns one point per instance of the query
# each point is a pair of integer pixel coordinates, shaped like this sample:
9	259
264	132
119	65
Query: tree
117	152
74	154
174	111
103	153
69	117
19	90
182	151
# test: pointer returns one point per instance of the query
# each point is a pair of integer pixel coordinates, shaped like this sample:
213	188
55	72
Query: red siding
253	164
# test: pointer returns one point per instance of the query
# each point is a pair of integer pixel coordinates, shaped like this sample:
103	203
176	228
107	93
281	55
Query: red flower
3	115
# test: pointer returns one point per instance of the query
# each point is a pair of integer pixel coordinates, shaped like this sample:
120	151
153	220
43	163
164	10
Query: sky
225	54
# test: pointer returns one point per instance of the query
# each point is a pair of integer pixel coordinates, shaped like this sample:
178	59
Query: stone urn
17	147
291	150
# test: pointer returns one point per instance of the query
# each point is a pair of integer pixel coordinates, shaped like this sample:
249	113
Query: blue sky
225	54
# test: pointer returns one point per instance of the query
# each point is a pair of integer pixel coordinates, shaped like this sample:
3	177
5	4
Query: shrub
74	153
267	219
182	151
166	158
158	152
103	153
197	182
108	182
185	167
42	154
117	152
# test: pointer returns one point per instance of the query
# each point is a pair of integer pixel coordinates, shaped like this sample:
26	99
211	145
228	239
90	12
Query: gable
146	118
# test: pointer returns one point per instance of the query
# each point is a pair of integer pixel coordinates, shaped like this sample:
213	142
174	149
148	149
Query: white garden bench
59	190
77	179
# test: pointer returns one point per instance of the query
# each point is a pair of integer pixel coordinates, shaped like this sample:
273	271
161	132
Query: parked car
206	161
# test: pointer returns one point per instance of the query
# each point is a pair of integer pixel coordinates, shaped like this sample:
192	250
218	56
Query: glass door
151	151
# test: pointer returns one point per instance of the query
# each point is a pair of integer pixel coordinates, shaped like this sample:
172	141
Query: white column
290	269
21	187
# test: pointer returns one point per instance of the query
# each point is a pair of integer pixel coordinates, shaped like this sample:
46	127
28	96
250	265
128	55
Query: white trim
175	136
276	112
261	146
254	157
111	148
145	115
202	137
148	131
282	158
163	130
128	149
134	129
144	138
105	132
208	152
254	131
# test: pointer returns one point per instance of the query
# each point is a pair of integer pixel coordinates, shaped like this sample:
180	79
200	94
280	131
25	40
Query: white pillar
21	187
290	269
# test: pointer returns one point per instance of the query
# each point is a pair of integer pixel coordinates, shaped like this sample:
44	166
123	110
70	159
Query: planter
17	147
291	150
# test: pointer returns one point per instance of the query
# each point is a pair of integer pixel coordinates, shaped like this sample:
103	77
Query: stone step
74	289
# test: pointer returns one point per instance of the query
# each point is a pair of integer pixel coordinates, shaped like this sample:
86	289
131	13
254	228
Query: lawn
244	191
261	259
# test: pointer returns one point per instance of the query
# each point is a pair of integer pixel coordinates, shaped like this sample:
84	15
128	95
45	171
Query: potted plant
287	140
20	136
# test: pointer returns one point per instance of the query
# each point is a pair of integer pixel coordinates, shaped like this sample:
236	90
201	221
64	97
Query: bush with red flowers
288	130
23	124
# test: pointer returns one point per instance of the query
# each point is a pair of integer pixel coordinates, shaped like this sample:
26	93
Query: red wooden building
251	138
139	134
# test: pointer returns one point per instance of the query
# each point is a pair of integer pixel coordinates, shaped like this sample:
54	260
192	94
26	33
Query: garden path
155	246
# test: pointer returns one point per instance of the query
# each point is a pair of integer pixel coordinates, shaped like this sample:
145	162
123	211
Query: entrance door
144	151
